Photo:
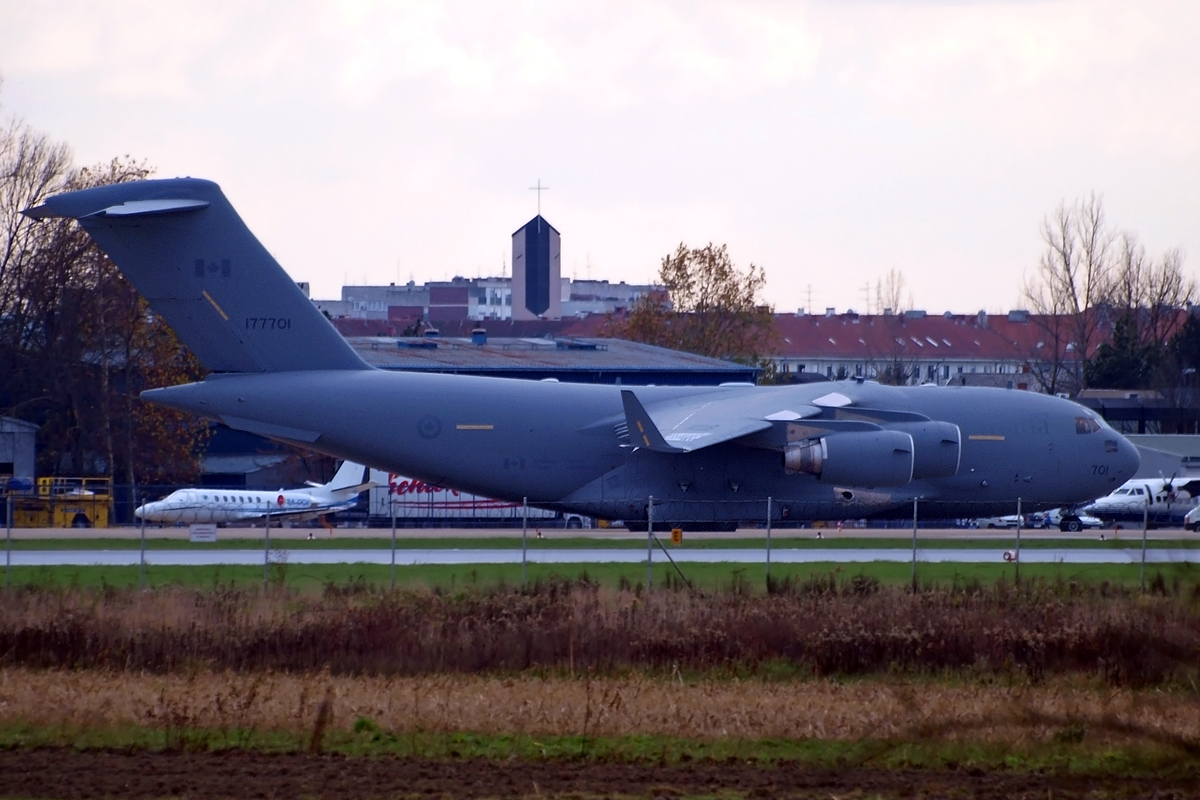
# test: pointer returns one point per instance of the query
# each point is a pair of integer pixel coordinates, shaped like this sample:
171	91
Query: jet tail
349	478
184	247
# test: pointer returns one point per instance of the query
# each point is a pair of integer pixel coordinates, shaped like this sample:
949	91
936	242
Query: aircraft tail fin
348	476
184	247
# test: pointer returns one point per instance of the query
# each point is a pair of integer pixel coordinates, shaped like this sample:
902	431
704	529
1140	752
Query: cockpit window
1086	425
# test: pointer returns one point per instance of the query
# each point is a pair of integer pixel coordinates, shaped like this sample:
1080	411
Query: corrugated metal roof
521	354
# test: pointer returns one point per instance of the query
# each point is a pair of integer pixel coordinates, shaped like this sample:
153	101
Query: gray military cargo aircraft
709	457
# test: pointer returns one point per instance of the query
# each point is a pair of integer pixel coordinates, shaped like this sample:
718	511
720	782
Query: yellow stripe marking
464	427
208	297
985	437
646	439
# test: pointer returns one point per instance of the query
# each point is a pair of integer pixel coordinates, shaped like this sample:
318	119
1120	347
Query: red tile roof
956	337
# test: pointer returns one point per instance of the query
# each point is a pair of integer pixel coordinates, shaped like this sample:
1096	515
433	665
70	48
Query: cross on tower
539	189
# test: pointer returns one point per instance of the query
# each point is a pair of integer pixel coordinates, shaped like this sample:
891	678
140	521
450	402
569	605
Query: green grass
366	738
706	577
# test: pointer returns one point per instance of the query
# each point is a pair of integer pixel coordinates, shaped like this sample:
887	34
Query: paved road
608	534
198	557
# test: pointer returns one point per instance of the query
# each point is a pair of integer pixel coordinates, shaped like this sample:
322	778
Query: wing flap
693	423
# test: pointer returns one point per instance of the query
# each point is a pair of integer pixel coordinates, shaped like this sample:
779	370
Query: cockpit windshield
1086	425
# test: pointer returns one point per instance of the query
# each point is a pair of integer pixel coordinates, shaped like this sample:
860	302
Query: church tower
536	271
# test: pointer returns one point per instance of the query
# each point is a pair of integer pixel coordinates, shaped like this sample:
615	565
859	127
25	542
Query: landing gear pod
861	458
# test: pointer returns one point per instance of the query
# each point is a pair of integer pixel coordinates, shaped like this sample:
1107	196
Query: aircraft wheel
81	521
1071	526
574	522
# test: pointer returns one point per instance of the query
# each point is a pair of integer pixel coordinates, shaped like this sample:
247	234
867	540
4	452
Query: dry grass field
571	689
819	629
233	704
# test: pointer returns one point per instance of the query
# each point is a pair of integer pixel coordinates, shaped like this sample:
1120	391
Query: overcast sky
828	142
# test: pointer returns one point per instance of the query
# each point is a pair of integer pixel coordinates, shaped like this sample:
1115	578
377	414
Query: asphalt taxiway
412	557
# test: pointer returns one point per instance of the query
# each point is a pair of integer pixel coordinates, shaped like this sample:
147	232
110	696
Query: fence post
1017	560
650	544
142	554
914	546
524	539
392	510
8	539
1145	527
267	550
768	544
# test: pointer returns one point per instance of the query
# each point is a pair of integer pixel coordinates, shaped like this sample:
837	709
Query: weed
825	625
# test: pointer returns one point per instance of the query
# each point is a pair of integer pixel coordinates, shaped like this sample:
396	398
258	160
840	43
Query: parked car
997	522
1070	522
1191	520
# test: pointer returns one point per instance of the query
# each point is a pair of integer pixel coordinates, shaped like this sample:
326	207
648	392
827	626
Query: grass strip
715	577
1069	750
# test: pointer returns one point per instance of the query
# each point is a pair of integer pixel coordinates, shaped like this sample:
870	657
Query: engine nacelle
858	458
937	448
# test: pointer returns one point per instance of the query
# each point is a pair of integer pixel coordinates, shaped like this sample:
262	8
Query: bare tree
31	168
1074	276
1091	282
891	359
1151	292
891	294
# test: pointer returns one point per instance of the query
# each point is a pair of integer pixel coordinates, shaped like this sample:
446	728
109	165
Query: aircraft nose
148	510
1128	460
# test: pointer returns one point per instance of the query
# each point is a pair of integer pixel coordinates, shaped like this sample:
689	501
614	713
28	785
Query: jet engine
858	458
937	447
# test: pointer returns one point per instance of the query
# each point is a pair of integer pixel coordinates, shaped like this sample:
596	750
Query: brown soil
67	773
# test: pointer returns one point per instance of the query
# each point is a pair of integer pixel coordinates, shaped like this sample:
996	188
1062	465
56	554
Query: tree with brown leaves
709	307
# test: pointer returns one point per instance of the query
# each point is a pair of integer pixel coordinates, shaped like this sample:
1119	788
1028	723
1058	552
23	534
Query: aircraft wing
682	425
300	513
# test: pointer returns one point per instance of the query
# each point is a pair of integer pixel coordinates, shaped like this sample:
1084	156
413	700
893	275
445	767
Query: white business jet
241	505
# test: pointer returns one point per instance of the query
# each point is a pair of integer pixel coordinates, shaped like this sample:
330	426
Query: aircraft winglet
642	430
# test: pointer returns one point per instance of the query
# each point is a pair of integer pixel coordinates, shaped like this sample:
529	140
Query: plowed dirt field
67	773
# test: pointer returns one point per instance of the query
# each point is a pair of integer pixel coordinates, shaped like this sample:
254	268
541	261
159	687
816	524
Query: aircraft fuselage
563	445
